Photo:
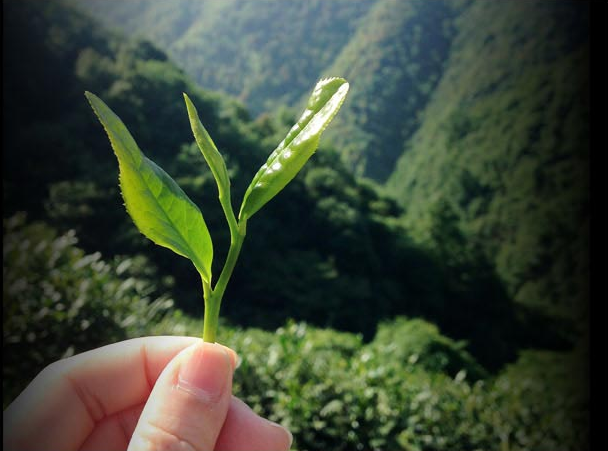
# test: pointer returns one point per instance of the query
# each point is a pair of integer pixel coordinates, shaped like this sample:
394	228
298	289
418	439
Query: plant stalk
213	298
212	313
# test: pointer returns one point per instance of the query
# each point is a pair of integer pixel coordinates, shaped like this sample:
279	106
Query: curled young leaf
297	147
158	206
215	161
209	150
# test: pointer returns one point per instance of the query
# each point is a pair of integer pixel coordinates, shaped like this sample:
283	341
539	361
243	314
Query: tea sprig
163	212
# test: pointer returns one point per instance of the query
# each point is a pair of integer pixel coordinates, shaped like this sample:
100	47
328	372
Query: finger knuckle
157	437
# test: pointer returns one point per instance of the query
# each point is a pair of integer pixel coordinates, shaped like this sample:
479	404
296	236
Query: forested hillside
476	108
504	145
433	284
329	250
60	168
392	51
254	43
409	388
395	59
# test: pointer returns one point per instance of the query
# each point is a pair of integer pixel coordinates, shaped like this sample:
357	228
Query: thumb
189	402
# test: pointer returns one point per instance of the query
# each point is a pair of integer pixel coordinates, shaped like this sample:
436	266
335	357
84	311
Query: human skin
141	394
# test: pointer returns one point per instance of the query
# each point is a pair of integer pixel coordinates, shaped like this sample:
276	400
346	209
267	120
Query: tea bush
57	300
410	388
335	392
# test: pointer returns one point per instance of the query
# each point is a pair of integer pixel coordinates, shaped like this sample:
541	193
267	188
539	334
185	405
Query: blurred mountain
267	52
491	182
473	115
264	52
480	108
504	143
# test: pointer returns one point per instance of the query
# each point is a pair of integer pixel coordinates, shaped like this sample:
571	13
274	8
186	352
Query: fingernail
267	421
234	357
284	429
206	372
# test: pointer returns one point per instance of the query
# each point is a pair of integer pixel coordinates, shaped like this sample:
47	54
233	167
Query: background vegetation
421	285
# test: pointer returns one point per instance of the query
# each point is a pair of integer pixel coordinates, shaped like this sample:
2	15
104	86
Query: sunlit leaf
297	147
158	206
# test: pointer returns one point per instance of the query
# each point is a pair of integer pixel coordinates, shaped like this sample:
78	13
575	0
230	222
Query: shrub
58	301
418	342
410	388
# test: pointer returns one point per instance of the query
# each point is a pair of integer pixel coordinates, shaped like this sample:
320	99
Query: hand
165	393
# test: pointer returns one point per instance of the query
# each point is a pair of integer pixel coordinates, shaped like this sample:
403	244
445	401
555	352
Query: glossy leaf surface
297	147
158	206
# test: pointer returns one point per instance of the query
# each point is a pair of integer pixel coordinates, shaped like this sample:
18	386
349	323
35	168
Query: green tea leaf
215	161
158	206
297	147
206	145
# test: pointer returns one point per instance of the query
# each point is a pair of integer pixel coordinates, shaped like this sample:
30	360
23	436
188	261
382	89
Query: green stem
236	242
213	298
206	290
229	213
212	313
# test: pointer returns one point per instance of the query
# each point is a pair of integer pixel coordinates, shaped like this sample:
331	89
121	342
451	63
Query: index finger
75	393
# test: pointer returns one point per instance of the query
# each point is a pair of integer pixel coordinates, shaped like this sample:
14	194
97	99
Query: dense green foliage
489	207
329	251
392	50
484	105
410	388
260	70
58	301
395	58
504	144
